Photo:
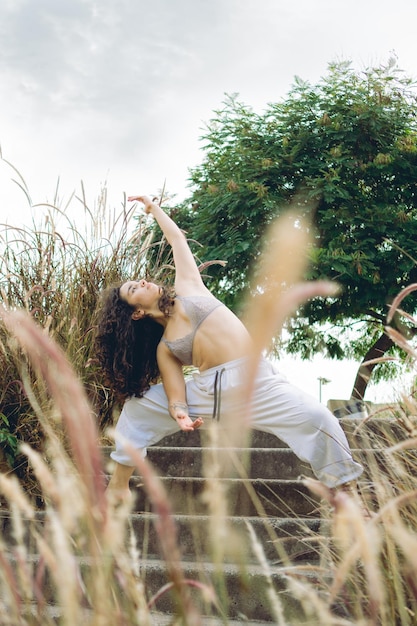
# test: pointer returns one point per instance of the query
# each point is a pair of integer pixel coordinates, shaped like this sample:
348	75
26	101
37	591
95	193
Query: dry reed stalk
278	294
219	460
16	570
10	487
66	569
23	566
275	603
316	608
45	476
91	516
10	597
398	299
357	541
71	402
277	291
66	511
400	340
276	286
215	497
57	275
225	543
406	540
128	562
167	533
228	544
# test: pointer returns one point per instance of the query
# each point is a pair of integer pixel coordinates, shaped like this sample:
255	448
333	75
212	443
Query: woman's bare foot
351	489
119	497
118	491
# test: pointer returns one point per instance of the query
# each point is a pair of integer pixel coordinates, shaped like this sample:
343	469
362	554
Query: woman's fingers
146	201
186	423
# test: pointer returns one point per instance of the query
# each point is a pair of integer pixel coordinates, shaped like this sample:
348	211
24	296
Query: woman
145	332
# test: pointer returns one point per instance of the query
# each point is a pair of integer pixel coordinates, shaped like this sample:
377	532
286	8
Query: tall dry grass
88	569
55	269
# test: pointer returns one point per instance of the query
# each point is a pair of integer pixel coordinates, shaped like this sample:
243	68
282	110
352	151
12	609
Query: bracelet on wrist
175	406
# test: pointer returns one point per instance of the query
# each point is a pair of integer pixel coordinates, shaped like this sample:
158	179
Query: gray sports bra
197	308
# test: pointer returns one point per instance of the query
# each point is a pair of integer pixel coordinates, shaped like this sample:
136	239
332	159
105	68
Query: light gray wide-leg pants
278	407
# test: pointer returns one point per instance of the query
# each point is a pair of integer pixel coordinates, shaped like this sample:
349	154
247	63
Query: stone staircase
268	503
284	515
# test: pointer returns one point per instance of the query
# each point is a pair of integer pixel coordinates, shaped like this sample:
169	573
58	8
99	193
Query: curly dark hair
126	348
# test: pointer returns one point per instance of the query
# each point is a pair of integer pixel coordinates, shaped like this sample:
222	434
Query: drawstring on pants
218	393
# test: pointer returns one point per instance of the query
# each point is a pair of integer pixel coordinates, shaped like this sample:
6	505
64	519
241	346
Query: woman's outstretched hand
146	201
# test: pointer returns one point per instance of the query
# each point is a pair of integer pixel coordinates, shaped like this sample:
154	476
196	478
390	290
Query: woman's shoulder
192	290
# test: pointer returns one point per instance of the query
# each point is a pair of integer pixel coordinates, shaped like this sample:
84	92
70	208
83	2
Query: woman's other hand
187	424
179	413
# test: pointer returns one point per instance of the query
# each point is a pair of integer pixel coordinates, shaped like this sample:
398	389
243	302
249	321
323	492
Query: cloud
126	86
97	85
100	54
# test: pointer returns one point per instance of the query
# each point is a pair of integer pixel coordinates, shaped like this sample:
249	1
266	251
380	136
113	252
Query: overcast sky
120	90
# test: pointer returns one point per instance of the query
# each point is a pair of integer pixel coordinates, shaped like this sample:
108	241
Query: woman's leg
277	407
308	427
142	422
119	482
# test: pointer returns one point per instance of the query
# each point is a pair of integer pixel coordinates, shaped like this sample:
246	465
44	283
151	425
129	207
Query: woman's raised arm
186	270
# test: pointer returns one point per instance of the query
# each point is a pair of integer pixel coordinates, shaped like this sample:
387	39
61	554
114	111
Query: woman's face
140	294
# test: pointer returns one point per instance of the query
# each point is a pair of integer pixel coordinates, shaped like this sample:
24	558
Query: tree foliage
349	145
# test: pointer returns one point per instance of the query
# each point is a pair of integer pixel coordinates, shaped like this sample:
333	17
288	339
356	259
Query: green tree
349	144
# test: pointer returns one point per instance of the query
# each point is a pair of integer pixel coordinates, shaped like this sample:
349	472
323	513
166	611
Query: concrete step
53	614
183	462
282	538
245	497
163	619
262	463
243	591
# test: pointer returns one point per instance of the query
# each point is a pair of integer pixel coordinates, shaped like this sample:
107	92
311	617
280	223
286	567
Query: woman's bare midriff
221	338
